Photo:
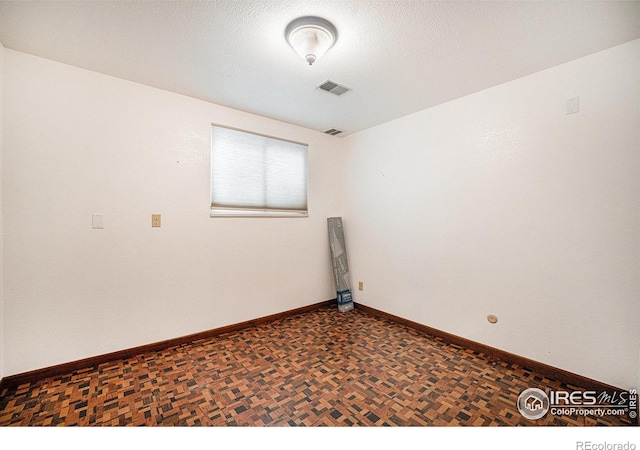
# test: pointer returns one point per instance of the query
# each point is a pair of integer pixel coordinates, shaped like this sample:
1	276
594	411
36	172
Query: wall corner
1	207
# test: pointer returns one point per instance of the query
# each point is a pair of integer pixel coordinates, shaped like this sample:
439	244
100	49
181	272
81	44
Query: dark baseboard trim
67	368
560	375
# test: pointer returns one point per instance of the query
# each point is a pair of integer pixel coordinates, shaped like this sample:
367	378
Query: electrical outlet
155	220
360	286
492	319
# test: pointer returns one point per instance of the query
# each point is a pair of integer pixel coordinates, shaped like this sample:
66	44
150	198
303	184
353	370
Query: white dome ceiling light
311	37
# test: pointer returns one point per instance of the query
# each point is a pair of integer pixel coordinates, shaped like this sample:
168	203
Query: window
255	175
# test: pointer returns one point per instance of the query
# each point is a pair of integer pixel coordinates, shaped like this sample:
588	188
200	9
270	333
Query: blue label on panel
344	297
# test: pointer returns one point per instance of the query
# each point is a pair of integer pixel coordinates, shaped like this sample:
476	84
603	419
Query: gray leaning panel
340	264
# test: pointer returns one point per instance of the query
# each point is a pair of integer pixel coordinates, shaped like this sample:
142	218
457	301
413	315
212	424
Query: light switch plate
573	105
97	221
155	220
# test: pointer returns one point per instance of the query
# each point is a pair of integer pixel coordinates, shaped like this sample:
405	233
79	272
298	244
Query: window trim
227	211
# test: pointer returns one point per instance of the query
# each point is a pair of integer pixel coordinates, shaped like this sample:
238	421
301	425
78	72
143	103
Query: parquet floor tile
322	368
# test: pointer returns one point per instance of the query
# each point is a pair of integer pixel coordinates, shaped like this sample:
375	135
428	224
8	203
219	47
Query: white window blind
252	174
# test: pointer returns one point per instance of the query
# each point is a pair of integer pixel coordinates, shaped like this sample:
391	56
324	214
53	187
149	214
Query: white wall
1	238
77	143
500	203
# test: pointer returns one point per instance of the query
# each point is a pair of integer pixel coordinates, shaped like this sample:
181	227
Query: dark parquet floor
322	368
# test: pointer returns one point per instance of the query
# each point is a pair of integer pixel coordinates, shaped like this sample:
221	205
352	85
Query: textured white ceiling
398	57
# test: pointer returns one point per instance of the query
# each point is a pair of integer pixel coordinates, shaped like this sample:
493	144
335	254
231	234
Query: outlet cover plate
155	220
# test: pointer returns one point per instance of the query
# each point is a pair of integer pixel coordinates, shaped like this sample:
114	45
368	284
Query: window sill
255	214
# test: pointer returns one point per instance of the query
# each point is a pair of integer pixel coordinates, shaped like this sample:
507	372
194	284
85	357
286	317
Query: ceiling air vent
333	131
333	87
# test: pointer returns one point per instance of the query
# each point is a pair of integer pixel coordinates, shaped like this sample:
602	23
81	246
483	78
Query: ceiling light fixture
311	37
